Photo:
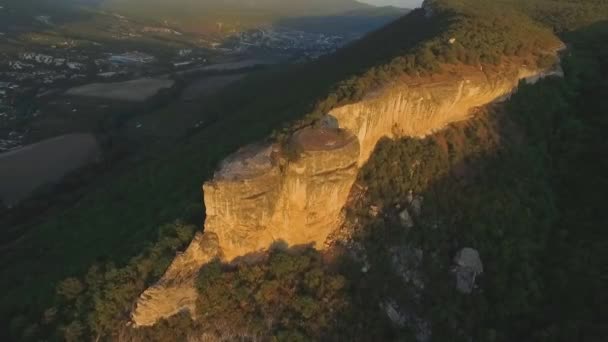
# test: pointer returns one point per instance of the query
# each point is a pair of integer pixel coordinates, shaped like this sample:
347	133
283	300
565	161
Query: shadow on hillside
489	184
520	183
499	198
262	294
349	24
158	190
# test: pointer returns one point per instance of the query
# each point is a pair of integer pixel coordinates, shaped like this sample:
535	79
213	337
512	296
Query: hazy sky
399	3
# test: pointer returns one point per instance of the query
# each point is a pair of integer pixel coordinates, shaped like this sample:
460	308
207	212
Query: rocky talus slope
295	193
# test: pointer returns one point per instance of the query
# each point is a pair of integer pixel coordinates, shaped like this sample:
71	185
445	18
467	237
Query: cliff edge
295	192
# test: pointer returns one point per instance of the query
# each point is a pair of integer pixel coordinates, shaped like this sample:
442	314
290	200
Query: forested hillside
521	182
524	183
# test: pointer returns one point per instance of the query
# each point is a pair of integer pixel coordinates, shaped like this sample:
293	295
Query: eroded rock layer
303	189
295	193
420	107
176	290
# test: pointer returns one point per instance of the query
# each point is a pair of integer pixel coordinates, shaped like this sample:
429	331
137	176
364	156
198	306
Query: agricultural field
137	90
26	169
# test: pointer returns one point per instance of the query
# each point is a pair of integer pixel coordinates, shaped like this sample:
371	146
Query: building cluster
32	75
42	68
149	29
305	44
39	68
8	139
43	72
131	58
12	141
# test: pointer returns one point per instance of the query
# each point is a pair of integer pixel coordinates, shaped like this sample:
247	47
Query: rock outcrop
176	290
262	195
402	317
467	267
419	107
295	193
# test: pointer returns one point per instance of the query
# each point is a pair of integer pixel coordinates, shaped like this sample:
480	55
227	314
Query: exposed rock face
176	290
468	267
258	198
405	318
406	219
264	193
419	109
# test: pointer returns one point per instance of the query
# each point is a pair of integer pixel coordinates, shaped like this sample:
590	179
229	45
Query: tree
74	332
70	288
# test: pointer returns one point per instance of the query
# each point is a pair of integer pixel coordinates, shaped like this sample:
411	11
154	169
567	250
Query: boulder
406	219
467	267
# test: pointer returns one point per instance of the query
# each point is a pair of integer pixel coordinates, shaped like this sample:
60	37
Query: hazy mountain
203	16
291	7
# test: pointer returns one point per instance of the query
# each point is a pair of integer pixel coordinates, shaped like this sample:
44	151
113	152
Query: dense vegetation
477	34
99	302
544	238
523	184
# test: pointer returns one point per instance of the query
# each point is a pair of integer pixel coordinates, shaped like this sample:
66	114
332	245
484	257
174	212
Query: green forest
524	183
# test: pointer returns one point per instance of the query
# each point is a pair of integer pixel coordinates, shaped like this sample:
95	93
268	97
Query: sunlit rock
295	191
175	291
406	219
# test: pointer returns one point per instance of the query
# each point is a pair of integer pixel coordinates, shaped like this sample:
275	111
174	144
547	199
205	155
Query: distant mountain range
198	15
289	7
204	16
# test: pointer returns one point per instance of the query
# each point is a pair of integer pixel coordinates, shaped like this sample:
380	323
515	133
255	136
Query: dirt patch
248	162
138	90
24	170
321	139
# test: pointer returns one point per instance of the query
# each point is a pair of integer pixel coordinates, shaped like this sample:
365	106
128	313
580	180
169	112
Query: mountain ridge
418	59
261	194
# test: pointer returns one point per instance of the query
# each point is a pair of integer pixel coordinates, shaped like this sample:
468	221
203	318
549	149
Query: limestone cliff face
263	195
176	291
422	107
257	198
295	193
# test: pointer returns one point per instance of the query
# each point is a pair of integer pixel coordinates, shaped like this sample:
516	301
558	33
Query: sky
399	3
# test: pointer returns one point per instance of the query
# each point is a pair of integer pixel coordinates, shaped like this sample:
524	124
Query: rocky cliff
176	291
295	193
